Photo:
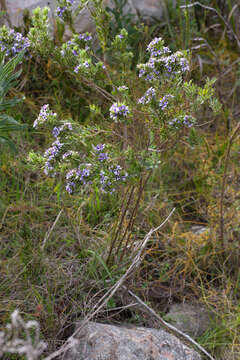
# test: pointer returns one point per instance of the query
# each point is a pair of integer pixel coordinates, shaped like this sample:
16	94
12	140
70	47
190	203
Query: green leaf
5	141
8	123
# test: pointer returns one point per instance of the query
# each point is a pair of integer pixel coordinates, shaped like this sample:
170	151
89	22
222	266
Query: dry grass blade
50	231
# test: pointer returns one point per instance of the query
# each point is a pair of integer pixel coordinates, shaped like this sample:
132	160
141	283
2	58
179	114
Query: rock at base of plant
192	319
107	342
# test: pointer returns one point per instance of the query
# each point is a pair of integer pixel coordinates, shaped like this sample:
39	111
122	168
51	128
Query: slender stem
133	217
117	232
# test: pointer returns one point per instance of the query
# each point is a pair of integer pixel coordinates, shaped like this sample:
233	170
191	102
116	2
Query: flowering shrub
82	166
12	42
138	123
82	156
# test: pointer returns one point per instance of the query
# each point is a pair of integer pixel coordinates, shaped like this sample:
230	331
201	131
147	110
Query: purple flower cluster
186	120
99	147
161	62
57	130
175	63
163	103
76	44
110	179
64	8
70	187
149	70
67	154
85	37
107	176
79	175
84	65
51	155
118	111
183	64
13	43
60	11
156	47
101	155
44	115
148	96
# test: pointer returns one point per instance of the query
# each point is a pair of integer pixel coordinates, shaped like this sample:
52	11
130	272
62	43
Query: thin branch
216	12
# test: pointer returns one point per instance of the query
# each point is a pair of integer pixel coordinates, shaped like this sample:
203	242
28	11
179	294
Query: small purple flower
57	144
67	154
185	120
156	48
74	52
70	174
56	131
118	110
99	147
86	64
44	115
103	157
81	174
148	96
70	186
103	178
76	70
141	72
163	103
61	10
85	37
188	121
48	167
184	64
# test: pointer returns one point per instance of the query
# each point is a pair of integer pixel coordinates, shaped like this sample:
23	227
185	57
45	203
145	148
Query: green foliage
8	77
38	35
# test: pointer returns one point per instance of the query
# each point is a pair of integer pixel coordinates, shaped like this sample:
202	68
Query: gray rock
108	342
15	8
148	10
192	319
